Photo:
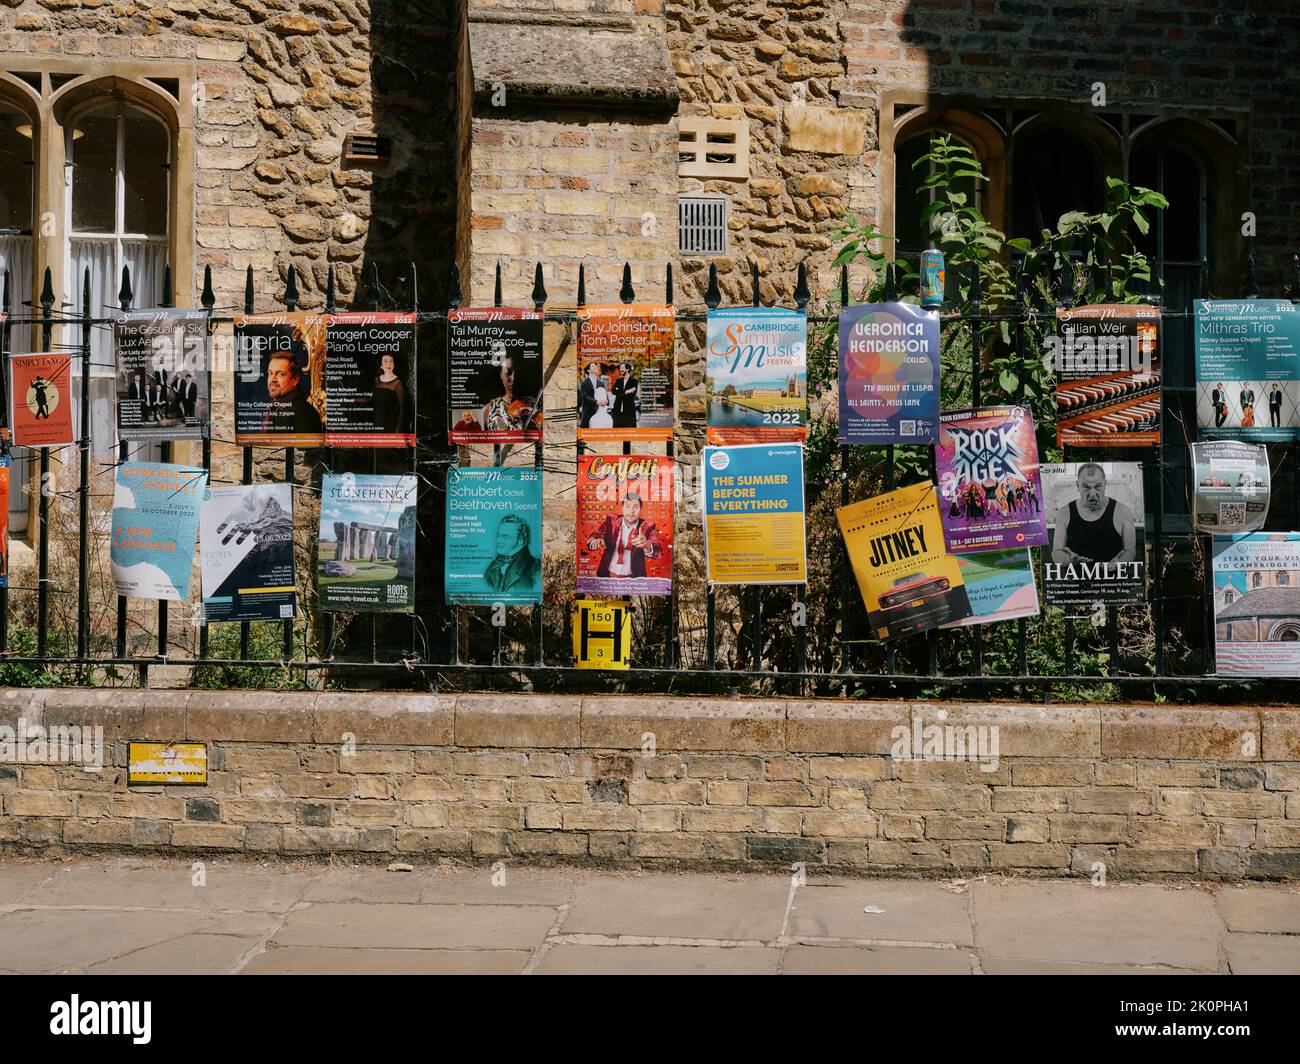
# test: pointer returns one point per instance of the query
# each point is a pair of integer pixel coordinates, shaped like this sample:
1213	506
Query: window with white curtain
17	181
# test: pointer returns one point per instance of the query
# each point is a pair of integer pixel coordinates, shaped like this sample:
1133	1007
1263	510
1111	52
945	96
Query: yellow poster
602	634
754	514
908	581
168	763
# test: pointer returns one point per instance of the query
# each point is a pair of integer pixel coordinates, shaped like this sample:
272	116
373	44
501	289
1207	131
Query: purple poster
889	374
990	497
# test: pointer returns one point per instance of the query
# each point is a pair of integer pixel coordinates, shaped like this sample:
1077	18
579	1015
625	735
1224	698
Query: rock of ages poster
889	374
754	514
494	535
990	496
1231	483
40	400
370	380
1257	604
494	365
1000	586
756	375
163	385
246	553
155	526
625	525
280	380
1096	529
366	553
1248	369
908	582
626	374
1107	365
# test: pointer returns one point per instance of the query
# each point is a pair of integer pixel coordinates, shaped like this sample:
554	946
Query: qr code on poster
1232	513
907	428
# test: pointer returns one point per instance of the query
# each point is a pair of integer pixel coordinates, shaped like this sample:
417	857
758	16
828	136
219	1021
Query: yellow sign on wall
183	763
602	634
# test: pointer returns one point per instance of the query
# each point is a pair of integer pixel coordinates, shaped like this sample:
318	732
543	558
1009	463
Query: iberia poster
280	380
908	581
1107	364
155	525
626	375
40	400
756	375
889	374
754	514
625	525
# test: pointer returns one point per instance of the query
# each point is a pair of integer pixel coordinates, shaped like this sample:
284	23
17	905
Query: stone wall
1140	790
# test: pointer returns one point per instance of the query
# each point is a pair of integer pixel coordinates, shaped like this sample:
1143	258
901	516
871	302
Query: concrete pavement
105	915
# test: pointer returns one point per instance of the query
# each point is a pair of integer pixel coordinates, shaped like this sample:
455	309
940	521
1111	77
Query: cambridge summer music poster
494	535
246	553
889	374
754	514
1248	369
1257	604
494	367
280	380
40	400
625	524
908	581
1231	482
756	375
366	552
370	380
1107	365
155	526
164	388
626	374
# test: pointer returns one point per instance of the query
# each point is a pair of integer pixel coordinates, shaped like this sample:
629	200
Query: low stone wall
837	785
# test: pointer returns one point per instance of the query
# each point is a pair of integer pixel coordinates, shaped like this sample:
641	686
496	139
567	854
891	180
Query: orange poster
625	372
40	405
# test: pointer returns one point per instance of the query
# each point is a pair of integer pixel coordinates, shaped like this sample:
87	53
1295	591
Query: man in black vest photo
1095	527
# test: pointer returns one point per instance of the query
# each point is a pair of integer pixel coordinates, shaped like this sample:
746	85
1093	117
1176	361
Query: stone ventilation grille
702	225
713	147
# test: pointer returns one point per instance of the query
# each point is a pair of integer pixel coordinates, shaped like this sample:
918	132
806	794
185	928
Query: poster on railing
155	527
40	400
908	581
625	524
1232	483
990	497
1096	526
246	553
999	585
370	380
1257	604
756	375
366	552
626	373
754	514
1107	365
164	388
6	471
494	535
280	380
889	374
494	365
1248	369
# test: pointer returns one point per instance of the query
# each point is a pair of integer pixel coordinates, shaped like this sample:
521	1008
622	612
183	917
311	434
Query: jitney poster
626	374
756	375
155	526
1231	486
754	514
625	524
40	400
889	374
1257	604
908	581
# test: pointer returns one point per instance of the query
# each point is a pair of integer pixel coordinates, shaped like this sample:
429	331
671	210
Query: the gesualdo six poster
163	385
246	552
625	524
155	525
494	369
280	380
756	375
370	380
626	374
366	551
889	374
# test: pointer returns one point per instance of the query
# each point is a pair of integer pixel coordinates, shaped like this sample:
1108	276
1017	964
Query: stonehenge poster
494	535
366	554
246	553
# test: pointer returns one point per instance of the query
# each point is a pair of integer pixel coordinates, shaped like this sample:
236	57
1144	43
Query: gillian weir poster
155	526
494	535
1231	486
1097	545
370	380
40	400
1248	369
1000	586
754	514
280	380
625	372
1257	604
908	581
494	360
625	525
1107	365
990	496
163	385
756	375
366	553
889	374
246	553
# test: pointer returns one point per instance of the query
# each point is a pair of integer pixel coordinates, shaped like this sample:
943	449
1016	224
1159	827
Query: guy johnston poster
889	374
625	525
163	384
494	366
155	525
280	380
756	375
494	535
366	551
626	372
370	380
1107	364
246	553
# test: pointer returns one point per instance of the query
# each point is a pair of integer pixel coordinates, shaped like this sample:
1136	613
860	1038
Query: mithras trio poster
756	375
370	380
280	380
246	553
1107	365
494	535
40	400
155	526
626	374
889	374
1248	369
1095	523
366	552
494	361
625	524
754	514
164	388
989	492
1257	604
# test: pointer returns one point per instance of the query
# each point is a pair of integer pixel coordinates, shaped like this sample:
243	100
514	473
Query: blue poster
155	527
494	535
1248	369
889	374
754	514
